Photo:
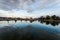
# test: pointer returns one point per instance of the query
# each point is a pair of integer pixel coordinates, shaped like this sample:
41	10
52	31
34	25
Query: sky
29	8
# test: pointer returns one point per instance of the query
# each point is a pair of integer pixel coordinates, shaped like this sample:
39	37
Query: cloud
14	4
8	4
25	4
28	6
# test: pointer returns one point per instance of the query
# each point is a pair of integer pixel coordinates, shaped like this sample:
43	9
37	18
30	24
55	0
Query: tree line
53	17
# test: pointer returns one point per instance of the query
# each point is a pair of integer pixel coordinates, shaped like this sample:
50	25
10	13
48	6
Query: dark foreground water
25	30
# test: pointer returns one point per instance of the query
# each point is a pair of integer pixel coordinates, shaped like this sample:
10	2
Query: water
25	30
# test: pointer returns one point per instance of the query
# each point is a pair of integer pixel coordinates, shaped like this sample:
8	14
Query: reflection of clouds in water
3	23
6	23
35	30
10	33
27	22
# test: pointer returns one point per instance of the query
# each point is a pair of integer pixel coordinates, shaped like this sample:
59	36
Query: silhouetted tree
53	17
57	18
47	17
41	18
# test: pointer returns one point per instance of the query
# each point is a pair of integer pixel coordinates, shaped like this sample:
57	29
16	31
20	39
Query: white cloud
23	4
29	7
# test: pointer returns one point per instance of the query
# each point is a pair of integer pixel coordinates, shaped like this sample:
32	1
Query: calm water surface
24	30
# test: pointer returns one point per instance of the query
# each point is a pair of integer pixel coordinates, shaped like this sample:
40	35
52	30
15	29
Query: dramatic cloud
24	4
15	6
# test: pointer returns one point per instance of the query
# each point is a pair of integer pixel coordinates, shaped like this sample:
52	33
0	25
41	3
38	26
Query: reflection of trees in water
53	23
53	20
